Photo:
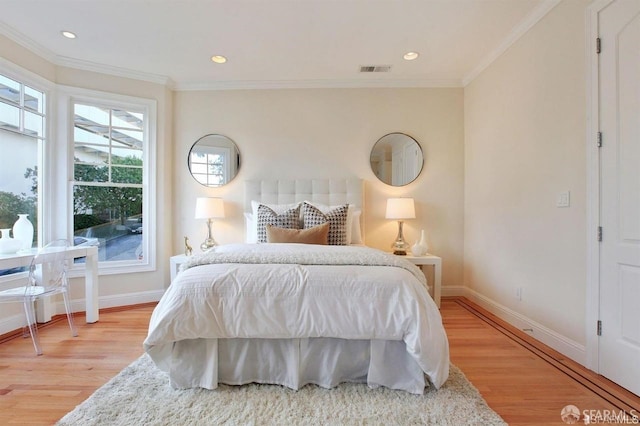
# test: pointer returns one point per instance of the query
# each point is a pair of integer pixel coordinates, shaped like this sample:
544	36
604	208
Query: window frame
55	168
223	152
68	97
45	86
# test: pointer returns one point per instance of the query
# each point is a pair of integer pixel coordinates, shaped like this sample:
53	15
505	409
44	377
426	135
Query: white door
397	166
619	76
412	160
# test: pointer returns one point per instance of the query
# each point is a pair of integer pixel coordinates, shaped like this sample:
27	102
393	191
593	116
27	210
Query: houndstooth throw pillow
337	218
289	219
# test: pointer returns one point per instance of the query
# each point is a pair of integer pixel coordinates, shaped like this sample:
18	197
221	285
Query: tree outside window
108	180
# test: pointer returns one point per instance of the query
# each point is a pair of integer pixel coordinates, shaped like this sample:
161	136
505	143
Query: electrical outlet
519	293
564	199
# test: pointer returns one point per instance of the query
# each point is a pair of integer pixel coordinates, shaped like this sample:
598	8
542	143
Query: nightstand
175	262
436	262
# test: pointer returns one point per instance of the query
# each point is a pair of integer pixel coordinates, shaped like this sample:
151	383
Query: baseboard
12	323
453	291
553	339
116	300
15	322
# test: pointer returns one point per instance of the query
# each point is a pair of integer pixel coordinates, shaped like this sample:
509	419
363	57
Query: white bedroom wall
320	133
525	122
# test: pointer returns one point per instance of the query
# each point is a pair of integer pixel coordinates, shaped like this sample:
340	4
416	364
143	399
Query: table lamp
400	209
209	208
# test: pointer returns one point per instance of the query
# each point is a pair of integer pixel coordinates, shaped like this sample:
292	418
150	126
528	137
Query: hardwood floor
40	390
524	381
525	385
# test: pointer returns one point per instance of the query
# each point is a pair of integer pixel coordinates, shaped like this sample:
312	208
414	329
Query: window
207	165
109	169
93	180
22	134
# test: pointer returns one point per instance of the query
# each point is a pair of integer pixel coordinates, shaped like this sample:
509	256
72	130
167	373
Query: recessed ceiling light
68	34
219	59
410	56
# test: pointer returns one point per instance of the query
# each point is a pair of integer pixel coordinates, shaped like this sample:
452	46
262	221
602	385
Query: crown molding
26	42
111	70
518	31
16	72
316	84
46	54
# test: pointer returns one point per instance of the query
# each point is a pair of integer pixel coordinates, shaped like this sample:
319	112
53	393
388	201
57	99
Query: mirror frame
417	171
234	147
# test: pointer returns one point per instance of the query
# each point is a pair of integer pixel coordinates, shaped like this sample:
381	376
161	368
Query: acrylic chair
52	280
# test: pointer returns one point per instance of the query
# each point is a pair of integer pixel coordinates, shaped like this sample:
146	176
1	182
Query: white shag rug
141	395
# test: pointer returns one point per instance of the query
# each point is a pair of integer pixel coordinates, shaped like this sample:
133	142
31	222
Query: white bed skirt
294	363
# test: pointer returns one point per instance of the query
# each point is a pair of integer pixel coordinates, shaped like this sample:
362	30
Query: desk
45	310
436	262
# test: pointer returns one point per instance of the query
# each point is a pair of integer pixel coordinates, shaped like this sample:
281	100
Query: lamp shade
209	208
400	208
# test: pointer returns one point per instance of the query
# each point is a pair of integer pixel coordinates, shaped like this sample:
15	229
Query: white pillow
354	233
251	229
356	230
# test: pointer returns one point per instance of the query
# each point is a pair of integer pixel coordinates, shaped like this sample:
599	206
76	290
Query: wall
525	143
321	133
28	60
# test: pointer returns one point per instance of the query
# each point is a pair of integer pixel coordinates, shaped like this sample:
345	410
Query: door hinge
599	233
598	45
599	330
599	143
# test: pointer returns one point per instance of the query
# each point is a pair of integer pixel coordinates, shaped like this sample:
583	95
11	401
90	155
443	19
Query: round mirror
214	160
396	159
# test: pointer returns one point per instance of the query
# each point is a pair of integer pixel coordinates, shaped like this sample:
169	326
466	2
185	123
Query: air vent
375	68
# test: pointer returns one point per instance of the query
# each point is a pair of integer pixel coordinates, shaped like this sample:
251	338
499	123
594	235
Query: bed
291	313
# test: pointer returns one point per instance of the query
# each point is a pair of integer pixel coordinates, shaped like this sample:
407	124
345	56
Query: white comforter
352	293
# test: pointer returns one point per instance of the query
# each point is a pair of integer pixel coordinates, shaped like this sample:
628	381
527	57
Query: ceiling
274	43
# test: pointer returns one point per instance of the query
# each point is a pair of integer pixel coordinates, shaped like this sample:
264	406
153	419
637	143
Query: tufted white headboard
325	191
